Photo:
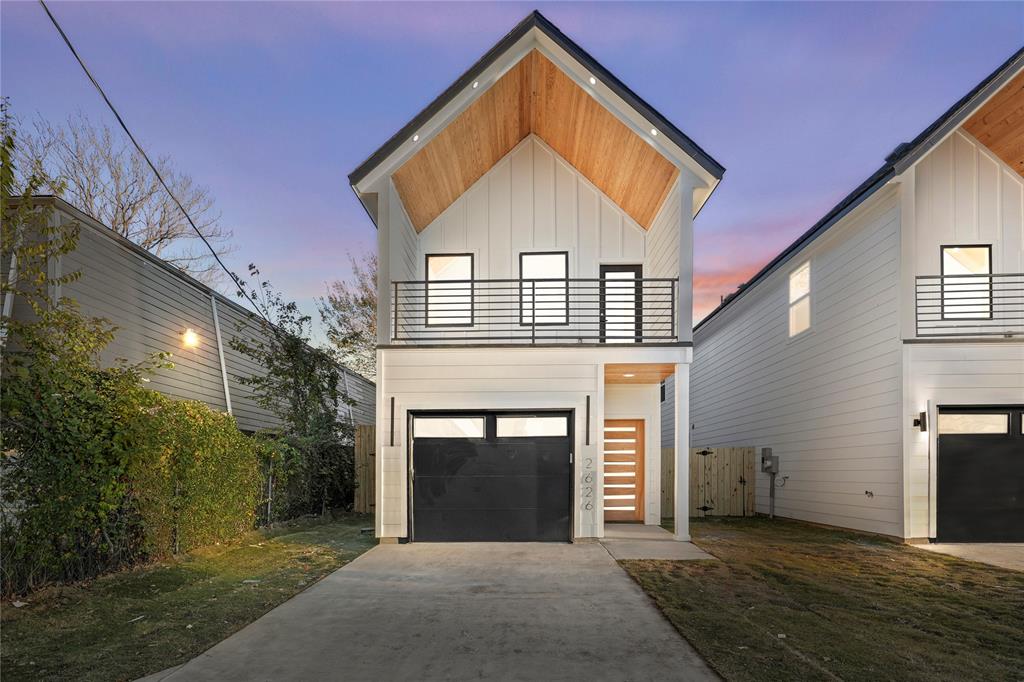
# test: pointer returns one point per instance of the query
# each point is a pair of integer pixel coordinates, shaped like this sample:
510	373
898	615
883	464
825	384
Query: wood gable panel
999	124
535	96
617	160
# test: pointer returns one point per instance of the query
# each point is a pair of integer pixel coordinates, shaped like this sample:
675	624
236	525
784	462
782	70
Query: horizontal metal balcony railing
530	312
970	305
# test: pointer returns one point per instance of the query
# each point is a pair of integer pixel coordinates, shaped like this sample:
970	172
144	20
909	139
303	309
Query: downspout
220	352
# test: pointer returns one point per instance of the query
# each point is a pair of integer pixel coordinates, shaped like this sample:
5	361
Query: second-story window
544	288
800	300
449	290
966	290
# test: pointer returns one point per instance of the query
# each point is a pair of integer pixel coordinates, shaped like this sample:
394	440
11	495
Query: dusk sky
270	105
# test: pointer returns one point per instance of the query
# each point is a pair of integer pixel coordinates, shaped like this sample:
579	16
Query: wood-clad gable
535	96
999	124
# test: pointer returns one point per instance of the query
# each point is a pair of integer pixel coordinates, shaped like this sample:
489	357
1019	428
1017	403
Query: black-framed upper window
966	291
544	288
621	304
449	290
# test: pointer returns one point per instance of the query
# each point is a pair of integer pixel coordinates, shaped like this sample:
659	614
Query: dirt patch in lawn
133	623
795	601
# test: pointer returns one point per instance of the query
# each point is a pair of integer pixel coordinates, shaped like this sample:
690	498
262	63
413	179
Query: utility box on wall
769	462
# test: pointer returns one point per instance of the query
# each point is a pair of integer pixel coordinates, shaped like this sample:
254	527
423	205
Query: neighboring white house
535	241
881	356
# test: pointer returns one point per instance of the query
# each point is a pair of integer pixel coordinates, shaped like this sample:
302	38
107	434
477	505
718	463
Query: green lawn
793	601
129	624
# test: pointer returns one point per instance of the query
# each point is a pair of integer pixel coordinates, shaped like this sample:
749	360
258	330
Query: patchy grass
794	601
125	625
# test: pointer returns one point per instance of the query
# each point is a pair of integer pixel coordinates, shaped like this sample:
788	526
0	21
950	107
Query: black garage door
491	477
980	474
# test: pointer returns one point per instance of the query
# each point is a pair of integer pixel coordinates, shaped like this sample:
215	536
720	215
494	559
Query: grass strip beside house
129	624
790	600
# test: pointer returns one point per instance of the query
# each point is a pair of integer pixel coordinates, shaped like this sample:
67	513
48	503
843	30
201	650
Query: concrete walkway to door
498	611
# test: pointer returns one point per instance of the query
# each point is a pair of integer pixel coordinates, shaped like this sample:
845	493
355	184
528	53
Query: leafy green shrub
195	478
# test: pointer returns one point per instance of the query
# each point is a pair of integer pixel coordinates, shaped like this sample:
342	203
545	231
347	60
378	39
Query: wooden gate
366	471
721	482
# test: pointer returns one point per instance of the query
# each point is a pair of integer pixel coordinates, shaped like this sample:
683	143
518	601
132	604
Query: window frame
638	305
426	290
522	313
942	281
790	304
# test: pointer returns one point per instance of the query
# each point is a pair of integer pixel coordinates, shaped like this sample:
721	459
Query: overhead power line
151	165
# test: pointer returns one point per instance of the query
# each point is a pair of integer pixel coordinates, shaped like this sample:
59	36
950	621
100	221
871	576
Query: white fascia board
963	118
622	111
536	39
449	112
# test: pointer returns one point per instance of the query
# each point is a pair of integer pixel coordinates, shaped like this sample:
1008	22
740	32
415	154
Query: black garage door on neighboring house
980	474
491	476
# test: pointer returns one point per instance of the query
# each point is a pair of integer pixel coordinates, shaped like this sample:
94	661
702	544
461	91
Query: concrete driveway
460	612
1005	555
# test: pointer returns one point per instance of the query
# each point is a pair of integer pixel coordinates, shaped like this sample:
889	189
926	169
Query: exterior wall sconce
190	339
922	421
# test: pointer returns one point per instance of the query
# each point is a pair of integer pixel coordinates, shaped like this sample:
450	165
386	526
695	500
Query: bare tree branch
105	177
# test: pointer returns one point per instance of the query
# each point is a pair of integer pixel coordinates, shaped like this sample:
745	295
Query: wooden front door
624	470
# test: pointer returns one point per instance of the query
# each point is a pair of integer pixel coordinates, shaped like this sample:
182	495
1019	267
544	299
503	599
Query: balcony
969	305
530	312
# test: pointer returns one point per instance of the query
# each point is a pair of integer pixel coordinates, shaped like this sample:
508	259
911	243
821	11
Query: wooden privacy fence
366	471
722	482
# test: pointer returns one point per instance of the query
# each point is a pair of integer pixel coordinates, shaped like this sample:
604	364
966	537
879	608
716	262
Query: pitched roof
904	156
536	20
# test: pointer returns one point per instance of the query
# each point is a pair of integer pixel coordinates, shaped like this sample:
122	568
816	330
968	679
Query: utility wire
152	166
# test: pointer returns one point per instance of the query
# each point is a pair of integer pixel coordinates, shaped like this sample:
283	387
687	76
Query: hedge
100	472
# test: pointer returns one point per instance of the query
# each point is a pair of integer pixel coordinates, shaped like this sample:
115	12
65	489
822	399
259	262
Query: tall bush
299	383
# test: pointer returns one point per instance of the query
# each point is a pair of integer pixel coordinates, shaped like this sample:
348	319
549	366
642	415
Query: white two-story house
535	241
881	356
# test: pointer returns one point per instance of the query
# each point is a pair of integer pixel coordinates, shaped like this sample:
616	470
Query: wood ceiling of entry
535	96
642	373
999	124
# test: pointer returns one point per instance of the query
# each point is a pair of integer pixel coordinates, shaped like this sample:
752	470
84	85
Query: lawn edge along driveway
790	600
138	622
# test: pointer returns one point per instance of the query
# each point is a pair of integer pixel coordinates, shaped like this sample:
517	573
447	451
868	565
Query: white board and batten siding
962	194
965	194
508	378
152	304
826	401
532	200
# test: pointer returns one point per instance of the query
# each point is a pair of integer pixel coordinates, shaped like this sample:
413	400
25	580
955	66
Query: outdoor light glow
415	138
475	83
593	81
654	132
190	339
629	376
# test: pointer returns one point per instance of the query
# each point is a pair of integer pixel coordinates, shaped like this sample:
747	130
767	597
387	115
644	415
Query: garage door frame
1015	414
489	424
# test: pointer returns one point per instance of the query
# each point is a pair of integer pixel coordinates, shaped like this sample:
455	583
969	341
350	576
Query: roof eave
536	20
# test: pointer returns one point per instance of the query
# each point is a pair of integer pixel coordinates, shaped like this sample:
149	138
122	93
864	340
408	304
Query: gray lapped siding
152	304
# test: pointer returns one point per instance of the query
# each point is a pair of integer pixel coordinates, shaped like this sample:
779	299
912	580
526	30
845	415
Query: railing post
394	297
533	311
672	287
